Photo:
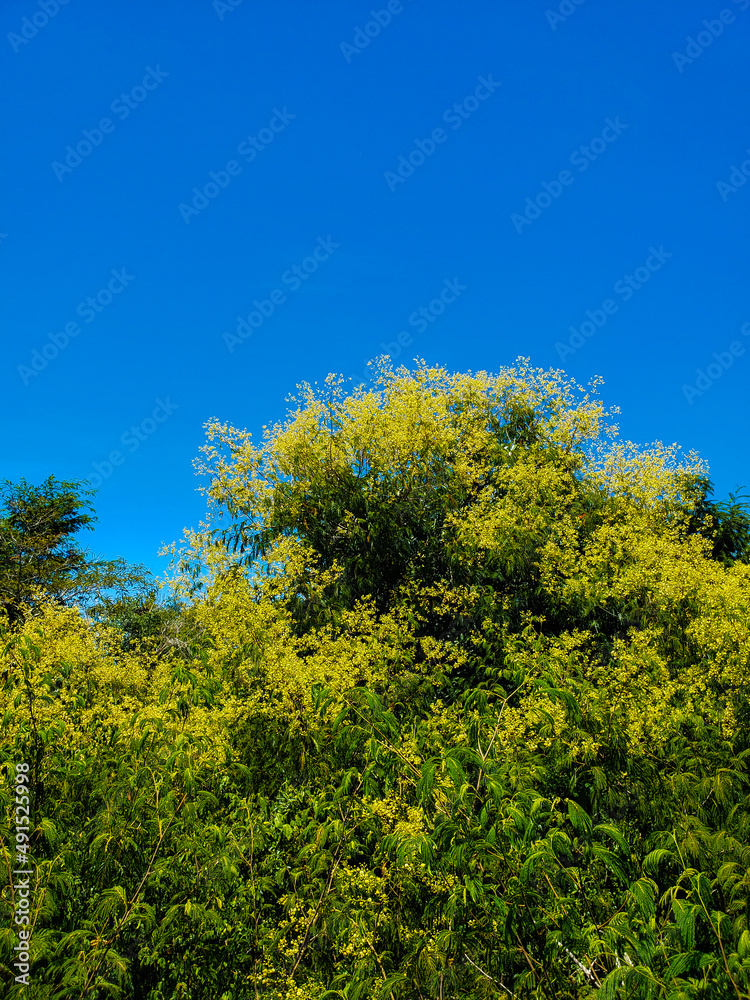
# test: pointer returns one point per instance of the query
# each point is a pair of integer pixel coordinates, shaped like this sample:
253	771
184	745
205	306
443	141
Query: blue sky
564	181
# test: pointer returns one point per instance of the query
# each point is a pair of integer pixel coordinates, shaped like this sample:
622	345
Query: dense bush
450	700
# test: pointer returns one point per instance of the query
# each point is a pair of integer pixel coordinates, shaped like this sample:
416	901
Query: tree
39	555
140	612
469	716
725	523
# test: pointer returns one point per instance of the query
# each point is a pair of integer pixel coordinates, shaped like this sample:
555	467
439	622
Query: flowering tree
462	711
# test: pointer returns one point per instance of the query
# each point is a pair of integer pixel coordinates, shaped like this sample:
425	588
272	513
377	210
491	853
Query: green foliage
459	708
725	523
36	547
39	556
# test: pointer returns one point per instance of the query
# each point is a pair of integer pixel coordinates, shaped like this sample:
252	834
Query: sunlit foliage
451	700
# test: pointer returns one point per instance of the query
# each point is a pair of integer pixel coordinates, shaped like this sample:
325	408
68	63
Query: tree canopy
41	558
452	700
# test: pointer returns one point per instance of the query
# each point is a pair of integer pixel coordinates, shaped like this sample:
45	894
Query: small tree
725	523
39	555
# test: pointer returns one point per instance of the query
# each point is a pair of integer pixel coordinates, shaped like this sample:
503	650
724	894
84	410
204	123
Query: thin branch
488	976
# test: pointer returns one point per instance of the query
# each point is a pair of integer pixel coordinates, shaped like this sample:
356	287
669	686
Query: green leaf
579	818
652	860
611	861
615	835
681	963
686	914
644	891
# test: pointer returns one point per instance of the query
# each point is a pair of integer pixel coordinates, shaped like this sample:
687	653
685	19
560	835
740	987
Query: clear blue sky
557	160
